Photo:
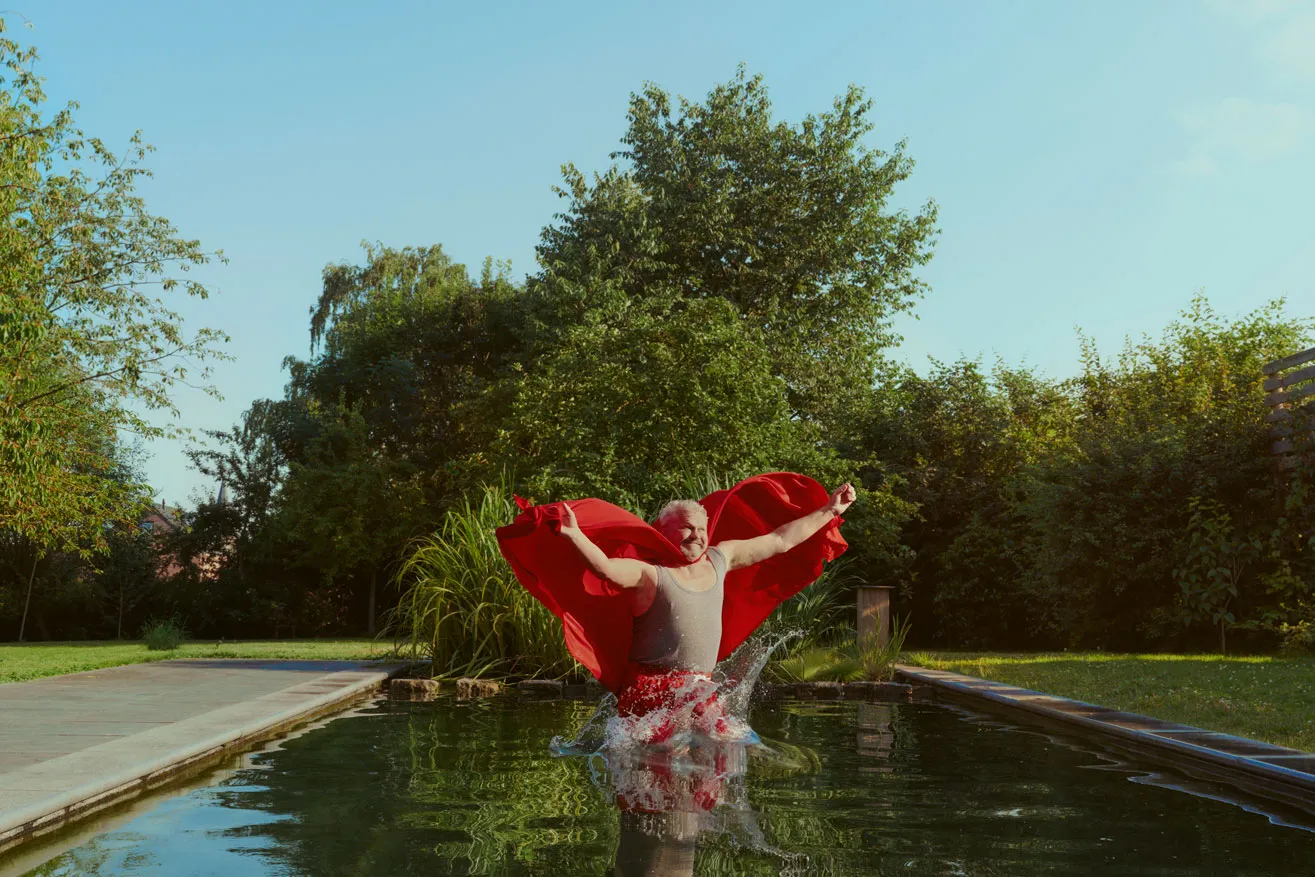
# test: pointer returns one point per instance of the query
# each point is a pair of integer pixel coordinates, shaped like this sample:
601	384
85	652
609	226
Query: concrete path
71	745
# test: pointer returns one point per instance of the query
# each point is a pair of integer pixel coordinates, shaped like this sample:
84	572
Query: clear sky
1095	163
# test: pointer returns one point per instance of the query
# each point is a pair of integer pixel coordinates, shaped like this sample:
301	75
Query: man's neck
690	564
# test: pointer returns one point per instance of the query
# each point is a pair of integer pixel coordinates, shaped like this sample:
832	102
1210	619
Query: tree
790	224
411	343
127	575
638	394
233	574
1216	559
1168	428
960	445
88	347
349	506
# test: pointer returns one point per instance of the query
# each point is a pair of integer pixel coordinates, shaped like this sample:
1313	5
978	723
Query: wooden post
874	613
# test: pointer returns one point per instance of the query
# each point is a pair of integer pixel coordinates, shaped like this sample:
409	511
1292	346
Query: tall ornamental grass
463	607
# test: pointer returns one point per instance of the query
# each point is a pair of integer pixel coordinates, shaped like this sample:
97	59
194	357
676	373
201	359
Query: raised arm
740	553
624	572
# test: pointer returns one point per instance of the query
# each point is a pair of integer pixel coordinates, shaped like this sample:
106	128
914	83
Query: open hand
842	498
568	526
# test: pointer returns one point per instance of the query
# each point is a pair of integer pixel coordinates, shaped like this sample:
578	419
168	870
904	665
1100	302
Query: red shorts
667	701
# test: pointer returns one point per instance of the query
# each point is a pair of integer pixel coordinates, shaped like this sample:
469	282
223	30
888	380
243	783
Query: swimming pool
837	788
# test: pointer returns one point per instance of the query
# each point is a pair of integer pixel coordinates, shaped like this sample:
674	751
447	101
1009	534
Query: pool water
834	788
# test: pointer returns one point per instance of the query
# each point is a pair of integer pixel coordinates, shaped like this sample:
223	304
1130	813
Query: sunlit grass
1258	696
19	662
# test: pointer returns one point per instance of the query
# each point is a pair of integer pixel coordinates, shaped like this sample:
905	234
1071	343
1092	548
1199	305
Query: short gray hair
688	507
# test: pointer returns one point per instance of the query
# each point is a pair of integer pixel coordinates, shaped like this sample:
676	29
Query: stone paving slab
1291	769
71	745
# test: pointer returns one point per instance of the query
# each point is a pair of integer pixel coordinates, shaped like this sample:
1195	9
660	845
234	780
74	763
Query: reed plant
873	661
462	605
828	656
819	613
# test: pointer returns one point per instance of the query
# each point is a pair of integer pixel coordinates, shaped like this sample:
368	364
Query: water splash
730	688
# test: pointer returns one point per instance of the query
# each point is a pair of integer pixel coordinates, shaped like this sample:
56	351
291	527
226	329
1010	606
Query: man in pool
657	613
677	610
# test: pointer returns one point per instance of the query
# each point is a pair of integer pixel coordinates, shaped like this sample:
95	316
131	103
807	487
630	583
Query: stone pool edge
1209	747
59	809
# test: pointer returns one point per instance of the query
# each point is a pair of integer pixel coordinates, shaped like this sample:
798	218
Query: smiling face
687	529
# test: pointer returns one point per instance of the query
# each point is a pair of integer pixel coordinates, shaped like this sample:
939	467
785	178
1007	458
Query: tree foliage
959	445
1107	509
636	394
413	344
718	301
89	346
790	224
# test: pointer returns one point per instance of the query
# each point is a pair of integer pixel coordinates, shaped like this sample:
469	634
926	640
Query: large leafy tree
376	429
637	395
793	225
411	343
88	346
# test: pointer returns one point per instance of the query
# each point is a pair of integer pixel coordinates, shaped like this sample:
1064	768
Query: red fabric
596	617
681	697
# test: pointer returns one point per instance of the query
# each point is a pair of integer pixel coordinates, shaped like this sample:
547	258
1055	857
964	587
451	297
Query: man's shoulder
717	556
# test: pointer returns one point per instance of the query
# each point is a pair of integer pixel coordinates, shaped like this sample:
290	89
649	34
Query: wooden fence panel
1288	362
1290	380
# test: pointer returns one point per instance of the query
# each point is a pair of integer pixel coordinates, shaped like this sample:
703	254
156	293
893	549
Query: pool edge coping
59	809
1028	701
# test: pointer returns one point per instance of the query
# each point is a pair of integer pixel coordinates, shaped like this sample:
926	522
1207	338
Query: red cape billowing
595	614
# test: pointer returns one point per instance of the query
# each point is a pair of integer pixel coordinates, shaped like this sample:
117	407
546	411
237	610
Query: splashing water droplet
731	687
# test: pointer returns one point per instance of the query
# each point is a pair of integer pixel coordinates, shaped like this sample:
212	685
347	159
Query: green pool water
837	788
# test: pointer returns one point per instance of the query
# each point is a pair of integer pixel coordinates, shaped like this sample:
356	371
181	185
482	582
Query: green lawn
34	660
1264	698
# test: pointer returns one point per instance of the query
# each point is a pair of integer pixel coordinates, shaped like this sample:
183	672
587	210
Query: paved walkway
70	745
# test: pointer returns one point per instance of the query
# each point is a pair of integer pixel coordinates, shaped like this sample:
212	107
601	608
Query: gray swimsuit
682	629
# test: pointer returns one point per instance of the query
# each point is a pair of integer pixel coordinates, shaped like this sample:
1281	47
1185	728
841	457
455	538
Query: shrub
1299	638
876	662
163	635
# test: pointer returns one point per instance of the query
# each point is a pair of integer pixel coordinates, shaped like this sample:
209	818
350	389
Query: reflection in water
876	740
669	798
666	801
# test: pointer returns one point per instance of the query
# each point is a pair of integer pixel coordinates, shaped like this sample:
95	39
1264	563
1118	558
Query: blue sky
1095	164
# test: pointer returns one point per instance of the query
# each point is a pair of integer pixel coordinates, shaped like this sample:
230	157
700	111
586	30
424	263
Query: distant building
161	518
